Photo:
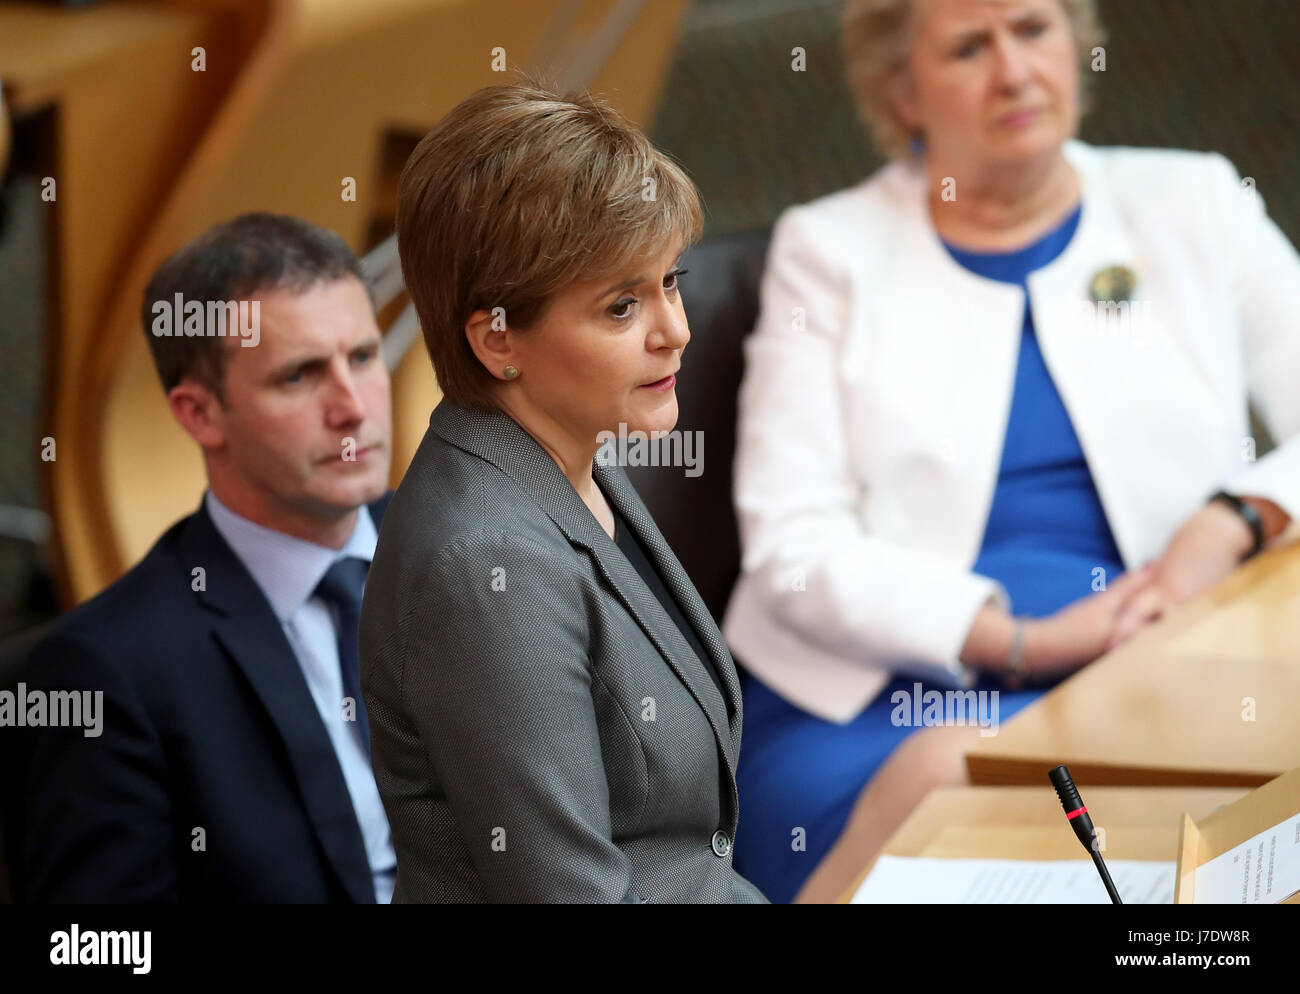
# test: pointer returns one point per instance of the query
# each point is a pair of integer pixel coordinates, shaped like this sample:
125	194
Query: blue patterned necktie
341	586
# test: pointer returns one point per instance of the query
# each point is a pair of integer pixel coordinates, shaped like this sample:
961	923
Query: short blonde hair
876	35
516	194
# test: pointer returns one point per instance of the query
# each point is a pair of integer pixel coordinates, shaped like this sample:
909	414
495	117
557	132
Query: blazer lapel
498	438
1151	378
378	508
615	482
930	384
244	624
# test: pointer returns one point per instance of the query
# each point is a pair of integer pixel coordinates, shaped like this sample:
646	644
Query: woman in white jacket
994	419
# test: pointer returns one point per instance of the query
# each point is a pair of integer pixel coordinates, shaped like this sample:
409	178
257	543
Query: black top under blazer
540	728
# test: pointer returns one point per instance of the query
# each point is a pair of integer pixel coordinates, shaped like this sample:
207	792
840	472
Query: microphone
1082	824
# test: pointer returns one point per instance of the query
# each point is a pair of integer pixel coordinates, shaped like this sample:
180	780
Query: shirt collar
287	568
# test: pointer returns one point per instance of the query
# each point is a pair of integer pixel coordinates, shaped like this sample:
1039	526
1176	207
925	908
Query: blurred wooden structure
1205	698
1028	823
295	96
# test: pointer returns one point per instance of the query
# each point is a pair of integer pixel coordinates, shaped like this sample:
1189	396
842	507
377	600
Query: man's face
307	421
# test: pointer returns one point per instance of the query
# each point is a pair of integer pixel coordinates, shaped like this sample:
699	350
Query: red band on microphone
1075	813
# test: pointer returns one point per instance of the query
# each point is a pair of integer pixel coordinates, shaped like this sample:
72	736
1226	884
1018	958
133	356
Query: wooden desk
1028	823
1173	707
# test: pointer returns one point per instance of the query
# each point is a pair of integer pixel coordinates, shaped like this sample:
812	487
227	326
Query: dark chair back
695	514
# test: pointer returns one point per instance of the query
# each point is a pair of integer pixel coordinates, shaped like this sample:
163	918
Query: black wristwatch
1248	514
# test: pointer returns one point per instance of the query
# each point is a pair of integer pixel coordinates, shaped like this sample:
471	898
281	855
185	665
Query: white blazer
879	379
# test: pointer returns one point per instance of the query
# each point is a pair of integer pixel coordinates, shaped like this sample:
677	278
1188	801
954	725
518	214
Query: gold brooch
1113	284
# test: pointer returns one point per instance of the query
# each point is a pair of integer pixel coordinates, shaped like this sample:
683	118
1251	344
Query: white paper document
1264	869
921	880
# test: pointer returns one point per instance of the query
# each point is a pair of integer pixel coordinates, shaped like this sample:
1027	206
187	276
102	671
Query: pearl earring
510	373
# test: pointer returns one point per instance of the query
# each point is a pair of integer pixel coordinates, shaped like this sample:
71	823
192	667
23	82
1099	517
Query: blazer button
721	843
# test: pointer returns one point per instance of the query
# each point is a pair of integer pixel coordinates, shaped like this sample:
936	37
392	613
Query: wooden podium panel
1028	823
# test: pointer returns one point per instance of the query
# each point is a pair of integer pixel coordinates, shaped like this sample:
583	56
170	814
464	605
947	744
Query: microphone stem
1105	878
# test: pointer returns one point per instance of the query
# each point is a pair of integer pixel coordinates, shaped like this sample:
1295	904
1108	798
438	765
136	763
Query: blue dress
1045	540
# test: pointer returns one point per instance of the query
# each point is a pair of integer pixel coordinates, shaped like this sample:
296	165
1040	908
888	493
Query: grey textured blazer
540	729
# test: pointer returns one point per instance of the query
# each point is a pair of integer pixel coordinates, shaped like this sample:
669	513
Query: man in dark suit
230	755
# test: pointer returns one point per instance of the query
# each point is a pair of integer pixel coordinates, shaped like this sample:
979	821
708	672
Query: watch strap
1249	514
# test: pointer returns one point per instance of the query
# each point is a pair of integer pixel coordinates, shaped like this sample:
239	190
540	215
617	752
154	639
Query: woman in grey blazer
554	715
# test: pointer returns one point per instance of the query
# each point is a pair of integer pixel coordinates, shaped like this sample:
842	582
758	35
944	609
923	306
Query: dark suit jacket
540	729
208	724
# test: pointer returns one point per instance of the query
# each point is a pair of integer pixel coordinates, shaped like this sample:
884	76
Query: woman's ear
489	336
902	96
